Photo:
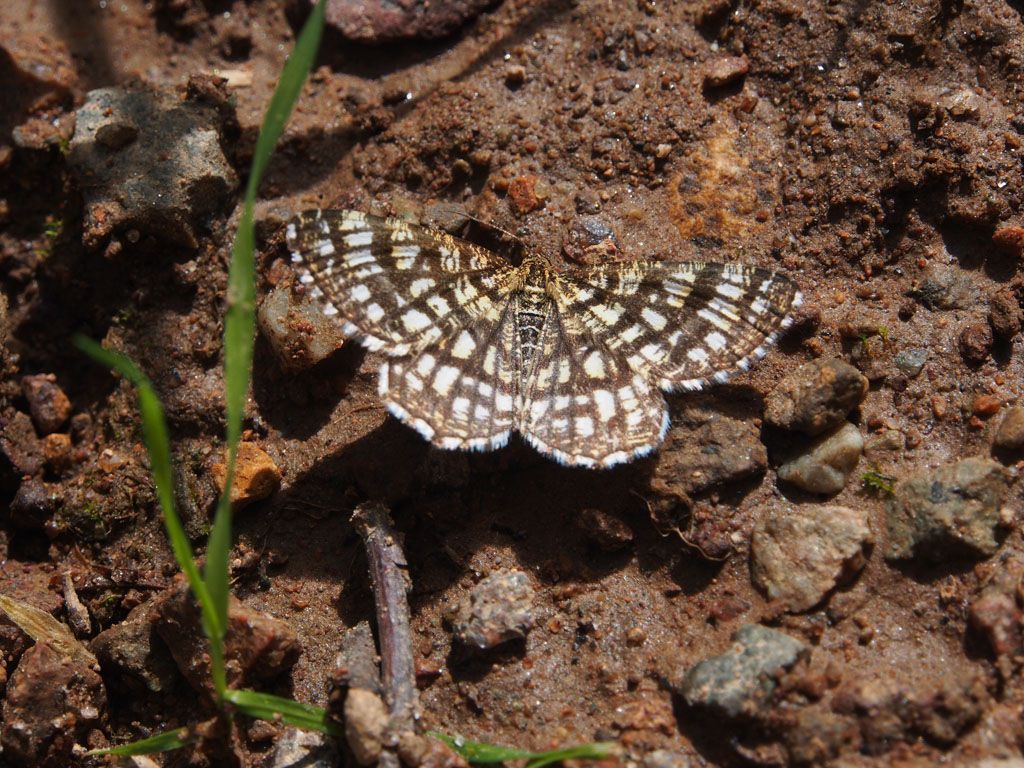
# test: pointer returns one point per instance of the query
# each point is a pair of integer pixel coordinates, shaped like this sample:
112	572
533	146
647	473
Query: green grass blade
481	752
265	706
158	445
240	320
593	751
161	742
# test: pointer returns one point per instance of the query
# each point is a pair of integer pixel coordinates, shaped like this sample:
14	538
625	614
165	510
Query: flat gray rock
149	164
953	510
739	681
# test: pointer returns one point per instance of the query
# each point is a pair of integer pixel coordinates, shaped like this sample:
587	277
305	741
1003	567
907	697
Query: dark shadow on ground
299	403
81	28
451	505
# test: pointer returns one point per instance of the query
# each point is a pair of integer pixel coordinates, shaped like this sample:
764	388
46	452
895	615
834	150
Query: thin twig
390	581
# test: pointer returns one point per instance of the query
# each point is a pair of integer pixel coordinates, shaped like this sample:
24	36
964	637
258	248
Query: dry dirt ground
871	150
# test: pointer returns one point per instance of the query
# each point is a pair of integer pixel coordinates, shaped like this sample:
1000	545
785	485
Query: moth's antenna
454	209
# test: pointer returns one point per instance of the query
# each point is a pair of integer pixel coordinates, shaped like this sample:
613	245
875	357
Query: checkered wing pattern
583	404
460	392
682	324
395	286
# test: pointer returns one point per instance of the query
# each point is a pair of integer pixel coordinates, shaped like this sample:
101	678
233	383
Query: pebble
995	616
427	752
40	134
381	21
986	405
522	195
1004	314
606	531
1010	434
664	758
34	504
47	403
724	70
57	452
515	75
799	554
947	287
366	717
975	342
1010	240
590	241
825	465
131	652
953	510
19	444
299	332
303	749
149	163
910	362
257	477
705	449
39	68
816	397
53	703
497	610
741	680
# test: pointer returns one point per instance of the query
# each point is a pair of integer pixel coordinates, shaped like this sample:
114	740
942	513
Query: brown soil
853	144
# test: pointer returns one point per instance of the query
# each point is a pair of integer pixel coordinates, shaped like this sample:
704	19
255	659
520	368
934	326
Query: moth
575	361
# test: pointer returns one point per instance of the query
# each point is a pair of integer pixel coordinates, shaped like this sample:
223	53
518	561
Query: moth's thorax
535	275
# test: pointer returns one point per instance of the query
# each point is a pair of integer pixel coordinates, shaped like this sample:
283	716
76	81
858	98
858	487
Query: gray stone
132	651
665	758
1010	435
740	681
589	241
299	332
826	465
910	362
498	609
956	509
303	749
816	397
149	164
947	287
799	554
